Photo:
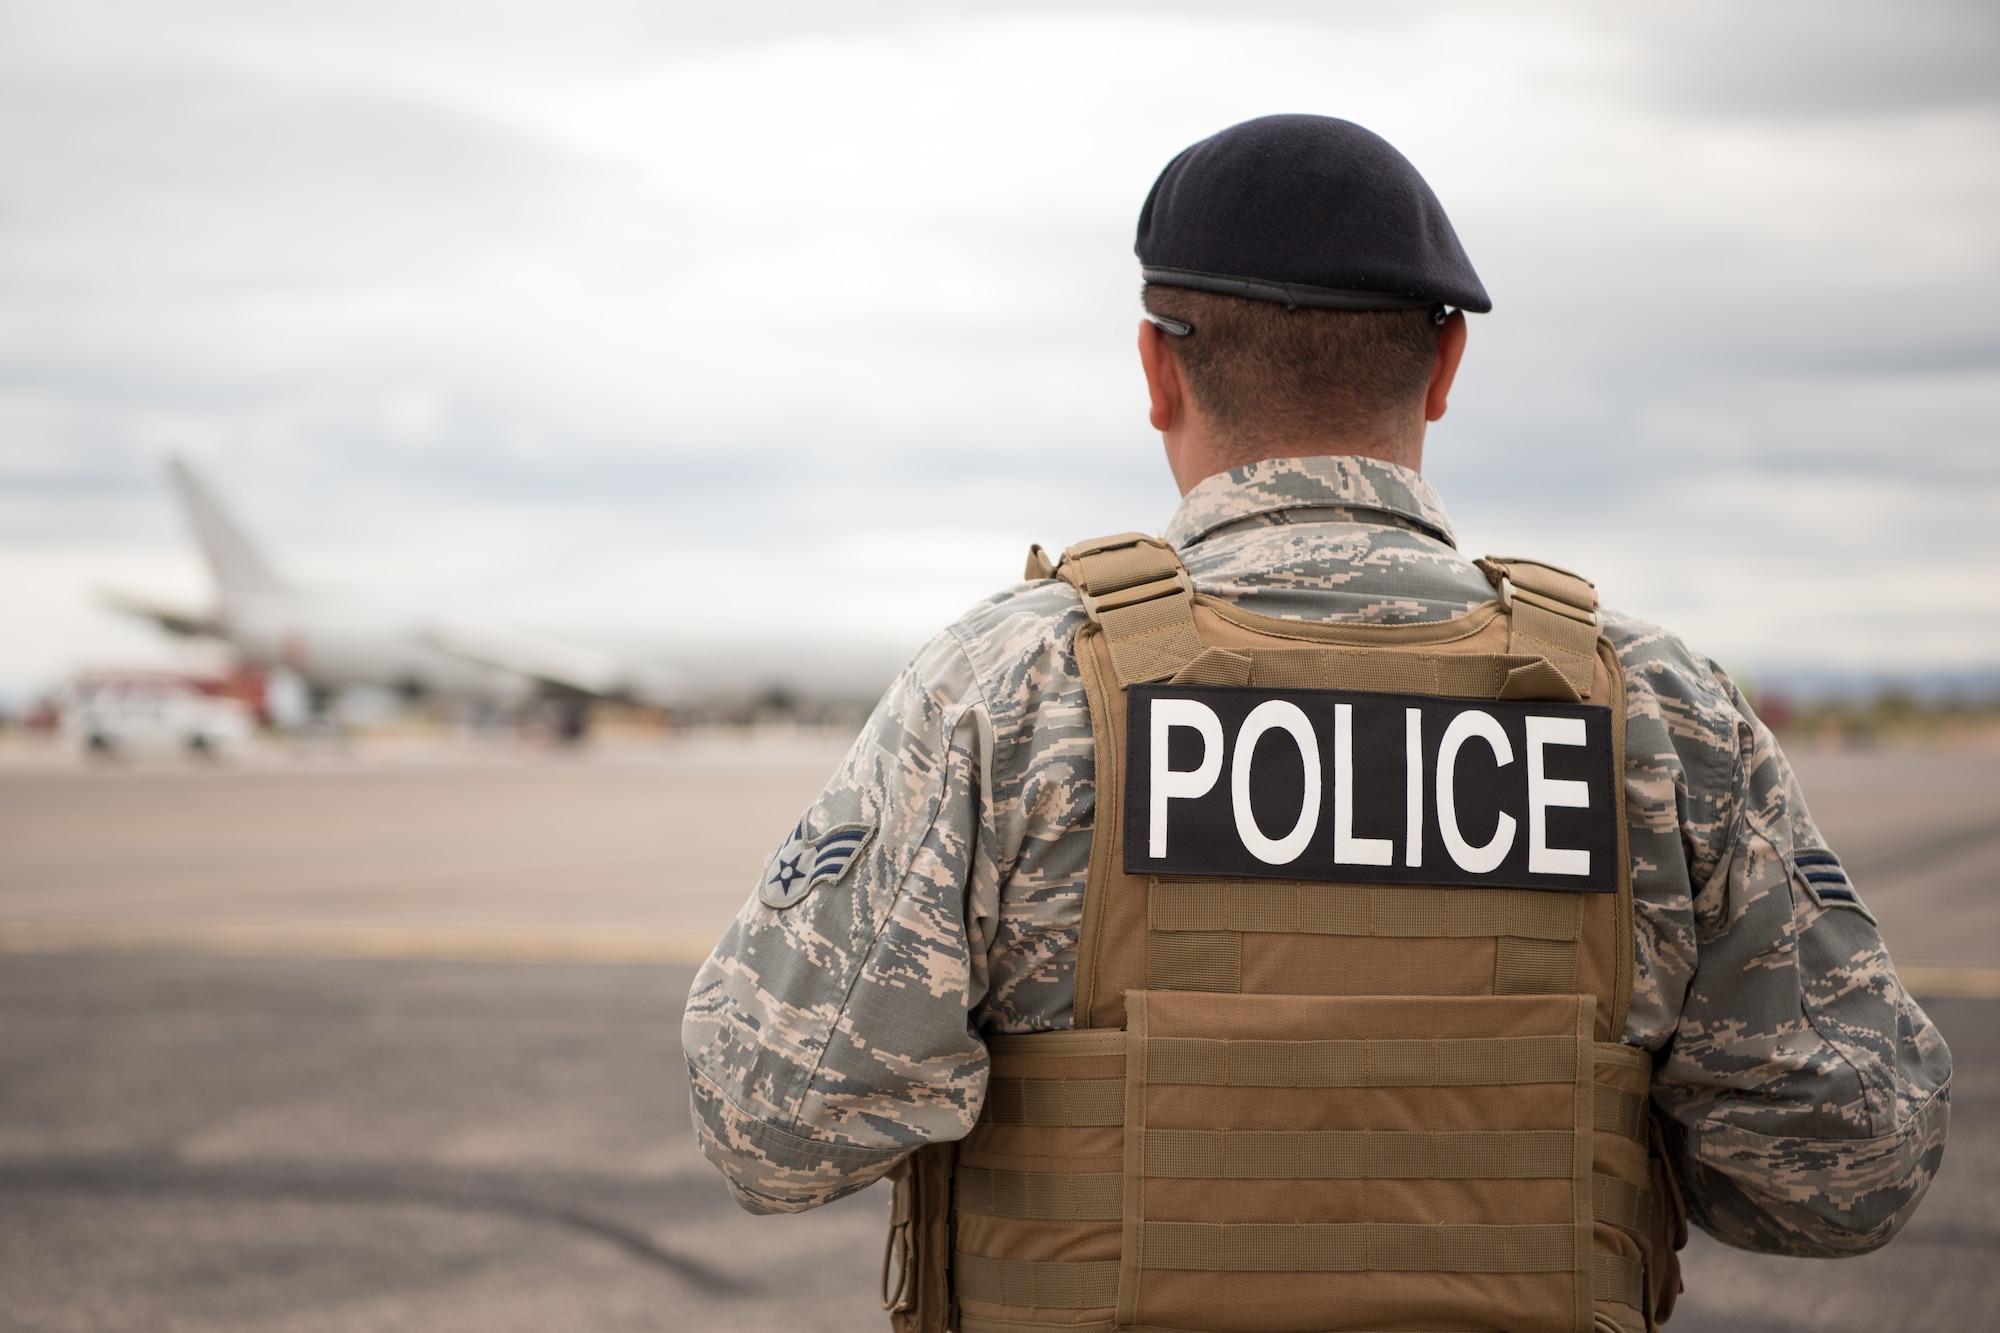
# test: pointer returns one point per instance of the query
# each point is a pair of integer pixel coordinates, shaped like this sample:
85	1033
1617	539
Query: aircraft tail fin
237	565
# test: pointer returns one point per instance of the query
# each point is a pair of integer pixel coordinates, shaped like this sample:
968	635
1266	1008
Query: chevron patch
1826	881
806	861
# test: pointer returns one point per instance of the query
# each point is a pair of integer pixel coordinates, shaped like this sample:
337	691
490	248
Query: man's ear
1451	350
1164	385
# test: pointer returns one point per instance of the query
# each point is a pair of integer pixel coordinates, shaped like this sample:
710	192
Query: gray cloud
1845	59
526	307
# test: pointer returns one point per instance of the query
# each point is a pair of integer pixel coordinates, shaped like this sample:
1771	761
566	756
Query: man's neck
1197	456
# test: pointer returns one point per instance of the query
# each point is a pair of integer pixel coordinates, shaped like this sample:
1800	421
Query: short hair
1260	370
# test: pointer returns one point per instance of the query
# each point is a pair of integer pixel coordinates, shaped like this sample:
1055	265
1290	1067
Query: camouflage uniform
1804	1091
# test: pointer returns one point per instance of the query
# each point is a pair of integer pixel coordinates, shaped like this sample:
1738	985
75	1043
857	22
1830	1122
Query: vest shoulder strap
1551	613
1139	595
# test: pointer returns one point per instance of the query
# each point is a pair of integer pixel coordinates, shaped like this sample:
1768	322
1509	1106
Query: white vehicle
331	641
134	713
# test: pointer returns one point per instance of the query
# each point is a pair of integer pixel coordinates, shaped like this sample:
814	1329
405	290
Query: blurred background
466	470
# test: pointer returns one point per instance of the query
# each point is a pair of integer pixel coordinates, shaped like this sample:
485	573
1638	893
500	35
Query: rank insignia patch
806	861
1827	883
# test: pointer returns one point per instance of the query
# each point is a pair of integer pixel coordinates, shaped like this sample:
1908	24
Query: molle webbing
1358	909
1613	1110
1358	1247
1203	1070
1356	1154
1617	1278
1052	1101
1051	1285
1045	1157
1621	1203
1466	1062
1027	1289
1195	1154
1035	1285
1051	1196
1500	676
1214	962
1195	941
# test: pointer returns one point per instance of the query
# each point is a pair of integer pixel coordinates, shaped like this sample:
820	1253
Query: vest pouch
916	1277
1635	1218
1670	1228
1319	1164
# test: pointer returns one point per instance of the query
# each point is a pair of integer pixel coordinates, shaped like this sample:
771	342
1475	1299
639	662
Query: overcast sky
648	322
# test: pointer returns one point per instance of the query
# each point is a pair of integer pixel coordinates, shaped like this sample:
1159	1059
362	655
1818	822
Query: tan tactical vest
1304	1107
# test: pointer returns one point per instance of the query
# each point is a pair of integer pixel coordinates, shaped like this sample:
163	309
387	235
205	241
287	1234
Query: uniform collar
1277	484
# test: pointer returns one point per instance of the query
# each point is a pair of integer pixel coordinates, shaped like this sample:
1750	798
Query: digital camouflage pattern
1804	1090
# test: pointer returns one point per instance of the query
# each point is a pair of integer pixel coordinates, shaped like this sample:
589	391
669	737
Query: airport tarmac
389	1040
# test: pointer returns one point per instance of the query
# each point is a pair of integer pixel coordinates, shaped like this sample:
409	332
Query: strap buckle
1509	593
1545	587
1130	569
1178	581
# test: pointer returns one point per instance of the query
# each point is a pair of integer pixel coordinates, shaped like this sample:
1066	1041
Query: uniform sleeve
791	1100
1807	1094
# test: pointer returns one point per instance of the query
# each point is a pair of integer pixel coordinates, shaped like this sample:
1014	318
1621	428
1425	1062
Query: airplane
332	640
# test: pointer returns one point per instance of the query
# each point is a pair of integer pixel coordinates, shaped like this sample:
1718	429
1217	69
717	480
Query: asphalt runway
390	1042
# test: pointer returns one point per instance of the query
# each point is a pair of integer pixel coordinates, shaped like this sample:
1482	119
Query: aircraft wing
179	620
558	665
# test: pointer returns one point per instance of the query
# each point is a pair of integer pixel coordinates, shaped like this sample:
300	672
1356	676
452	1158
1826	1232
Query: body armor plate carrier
1307	1106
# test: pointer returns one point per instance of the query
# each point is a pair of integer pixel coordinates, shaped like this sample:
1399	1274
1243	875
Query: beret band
1288	293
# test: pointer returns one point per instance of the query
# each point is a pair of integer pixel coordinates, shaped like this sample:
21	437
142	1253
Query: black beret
1307	210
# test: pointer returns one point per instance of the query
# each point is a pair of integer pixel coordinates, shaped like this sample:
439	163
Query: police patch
1348	786
1825	881
806	861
